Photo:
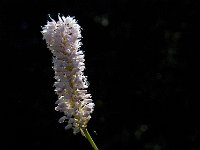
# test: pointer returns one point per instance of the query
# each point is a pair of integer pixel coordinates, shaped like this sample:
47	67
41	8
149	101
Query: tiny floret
63	40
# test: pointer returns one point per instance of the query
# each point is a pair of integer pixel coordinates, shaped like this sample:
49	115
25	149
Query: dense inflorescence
63	40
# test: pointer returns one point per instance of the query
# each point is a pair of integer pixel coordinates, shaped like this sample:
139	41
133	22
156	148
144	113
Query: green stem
87	135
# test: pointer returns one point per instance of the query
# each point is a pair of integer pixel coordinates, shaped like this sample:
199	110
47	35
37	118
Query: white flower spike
63	40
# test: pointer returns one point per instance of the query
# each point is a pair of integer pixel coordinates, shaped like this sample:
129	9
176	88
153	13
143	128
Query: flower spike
63	40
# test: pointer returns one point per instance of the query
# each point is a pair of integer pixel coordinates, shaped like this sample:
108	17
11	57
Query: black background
142	64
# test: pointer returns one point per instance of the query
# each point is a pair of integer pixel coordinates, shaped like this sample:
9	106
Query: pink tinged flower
63	40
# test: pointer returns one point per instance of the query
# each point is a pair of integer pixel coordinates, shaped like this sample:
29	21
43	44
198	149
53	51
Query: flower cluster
63	40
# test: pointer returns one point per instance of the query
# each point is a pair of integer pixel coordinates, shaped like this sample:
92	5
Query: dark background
142	64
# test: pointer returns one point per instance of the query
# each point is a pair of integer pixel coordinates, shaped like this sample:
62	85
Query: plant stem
87	135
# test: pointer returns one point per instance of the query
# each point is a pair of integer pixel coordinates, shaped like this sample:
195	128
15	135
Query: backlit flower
63	40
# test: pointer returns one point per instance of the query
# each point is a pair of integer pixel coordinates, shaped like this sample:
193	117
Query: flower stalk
89	138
